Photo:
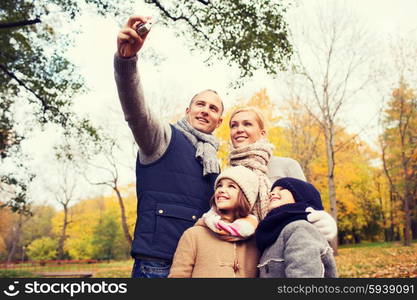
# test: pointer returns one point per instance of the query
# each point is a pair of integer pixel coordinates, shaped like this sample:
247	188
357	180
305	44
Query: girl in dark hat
290	245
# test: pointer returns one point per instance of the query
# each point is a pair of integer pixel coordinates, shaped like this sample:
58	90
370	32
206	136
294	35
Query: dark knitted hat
303	192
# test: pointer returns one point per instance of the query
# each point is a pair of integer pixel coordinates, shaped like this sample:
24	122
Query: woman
247	127
204	252
252	149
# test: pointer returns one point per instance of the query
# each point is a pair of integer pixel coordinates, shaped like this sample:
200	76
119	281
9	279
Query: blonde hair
258	115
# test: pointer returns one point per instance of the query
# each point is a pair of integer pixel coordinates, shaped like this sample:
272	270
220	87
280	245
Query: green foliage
105	238
250	34
42	249
35	74
39	225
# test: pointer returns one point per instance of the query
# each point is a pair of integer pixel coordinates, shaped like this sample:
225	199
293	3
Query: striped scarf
240	229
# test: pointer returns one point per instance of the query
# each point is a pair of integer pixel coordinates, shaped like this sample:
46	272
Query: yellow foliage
275	134
85	215
2	246
7	219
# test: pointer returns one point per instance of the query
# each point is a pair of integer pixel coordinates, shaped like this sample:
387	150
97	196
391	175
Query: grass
372	260
365	260
16	274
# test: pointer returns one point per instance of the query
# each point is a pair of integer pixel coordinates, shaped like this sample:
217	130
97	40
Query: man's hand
323	221
128	40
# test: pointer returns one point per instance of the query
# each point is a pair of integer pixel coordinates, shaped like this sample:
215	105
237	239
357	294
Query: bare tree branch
181	17
13	76
20	23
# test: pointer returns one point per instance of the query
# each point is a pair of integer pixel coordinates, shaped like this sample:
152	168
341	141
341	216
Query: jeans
143	268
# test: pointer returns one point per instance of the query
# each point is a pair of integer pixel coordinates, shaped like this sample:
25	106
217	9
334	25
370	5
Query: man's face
204	113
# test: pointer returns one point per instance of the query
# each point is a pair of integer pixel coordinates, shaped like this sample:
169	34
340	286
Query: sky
180	74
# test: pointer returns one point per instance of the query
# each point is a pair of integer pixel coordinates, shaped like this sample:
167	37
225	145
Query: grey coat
300	251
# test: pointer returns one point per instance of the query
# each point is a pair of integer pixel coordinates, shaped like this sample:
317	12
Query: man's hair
208	90
242	208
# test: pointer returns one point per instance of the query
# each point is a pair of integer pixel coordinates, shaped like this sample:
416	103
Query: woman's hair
258	115
242	208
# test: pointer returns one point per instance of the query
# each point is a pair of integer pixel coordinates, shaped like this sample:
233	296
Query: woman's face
279	196
226	195
245	129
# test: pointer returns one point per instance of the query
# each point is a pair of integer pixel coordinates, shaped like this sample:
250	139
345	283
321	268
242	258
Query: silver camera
143	28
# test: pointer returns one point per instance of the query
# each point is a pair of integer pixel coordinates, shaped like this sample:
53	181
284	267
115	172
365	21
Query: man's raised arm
152	135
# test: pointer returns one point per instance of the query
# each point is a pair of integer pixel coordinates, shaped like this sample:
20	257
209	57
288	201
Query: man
176	165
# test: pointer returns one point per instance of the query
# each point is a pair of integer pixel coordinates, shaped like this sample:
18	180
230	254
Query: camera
143	28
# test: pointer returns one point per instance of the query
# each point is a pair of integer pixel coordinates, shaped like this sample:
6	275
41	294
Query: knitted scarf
206	146
256	157
271	226
240	229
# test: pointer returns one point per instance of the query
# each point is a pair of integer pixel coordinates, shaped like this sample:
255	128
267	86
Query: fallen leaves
391	260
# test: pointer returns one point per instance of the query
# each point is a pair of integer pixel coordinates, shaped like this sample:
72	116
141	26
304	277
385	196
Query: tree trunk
16	239
61	242
330	177
391	195
414	229
384	219
406	189
407	198
123	216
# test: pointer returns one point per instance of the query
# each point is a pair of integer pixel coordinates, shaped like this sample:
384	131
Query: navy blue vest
172	194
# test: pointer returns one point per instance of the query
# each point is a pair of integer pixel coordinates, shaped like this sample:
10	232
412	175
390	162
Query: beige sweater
201	254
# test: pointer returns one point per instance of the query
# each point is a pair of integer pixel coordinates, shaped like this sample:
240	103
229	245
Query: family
256	218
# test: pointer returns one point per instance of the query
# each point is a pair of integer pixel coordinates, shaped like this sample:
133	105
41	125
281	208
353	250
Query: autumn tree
65	191
87	215
399	142
303	134
43	248
330	64
39	225
360	209
13	241
110	171
36	78
6	217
